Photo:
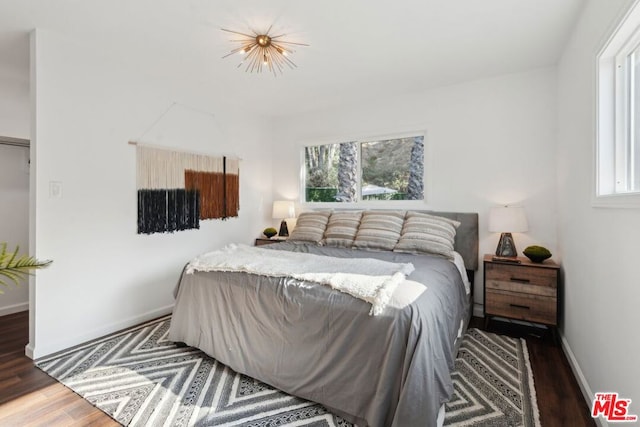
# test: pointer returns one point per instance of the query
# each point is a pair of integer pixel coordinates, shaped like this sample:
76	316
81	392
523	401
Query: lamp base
284	230
506	246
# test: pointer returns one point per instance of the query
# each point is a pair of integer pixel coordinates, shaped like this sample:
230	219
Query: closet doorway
14	214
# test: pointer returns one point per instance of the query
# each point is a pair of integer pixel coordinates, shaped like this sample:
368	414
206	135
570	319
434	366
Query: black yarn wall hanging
176	189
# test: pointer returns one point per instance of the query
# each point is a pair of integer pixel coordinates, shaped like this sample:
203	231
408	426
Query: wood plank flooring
29	397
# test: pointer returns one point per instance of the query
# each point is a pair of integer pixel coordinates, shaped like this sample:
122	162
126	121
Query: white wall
14	219
599	246
14	103
14	177
87	106
488	142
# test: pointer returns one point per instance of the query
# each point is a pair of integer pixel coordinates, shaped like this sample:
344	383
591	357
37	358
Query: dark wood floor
29	397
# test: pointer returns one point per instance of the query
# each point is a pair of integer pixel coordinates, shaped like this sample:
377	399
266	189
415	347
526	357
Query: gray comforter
322	345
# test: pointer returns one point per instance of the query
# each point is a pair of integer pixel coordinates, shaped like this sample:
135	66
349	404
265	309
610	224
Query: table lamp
283	209
507	220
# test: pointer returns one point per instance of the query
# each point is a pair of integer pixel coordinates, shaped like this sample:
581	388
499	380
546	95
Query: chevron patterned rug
493	383
139	378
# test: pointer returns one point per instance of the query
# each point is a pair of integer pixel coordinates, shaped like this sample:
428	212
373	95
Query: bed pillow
379	230
424	233
310	227
342	228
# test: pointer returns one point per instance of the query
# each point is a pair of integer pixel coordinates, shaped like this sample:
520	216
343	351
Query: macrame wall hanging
177	189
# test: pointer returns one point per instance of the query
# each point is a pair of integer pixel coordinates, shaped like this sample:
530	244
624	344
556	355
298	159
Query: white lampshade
508	219
284	209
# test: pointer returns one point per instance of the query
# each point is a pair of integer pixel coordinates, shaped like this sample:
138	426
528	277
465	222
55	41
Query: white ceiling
360	49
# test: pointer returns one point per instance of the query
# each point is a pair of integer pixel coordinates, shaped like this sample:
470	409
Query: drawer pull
515	279
526	307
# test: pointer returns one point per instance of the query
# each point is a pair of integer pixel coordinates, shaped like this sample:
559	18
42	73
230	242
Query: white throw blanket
368	279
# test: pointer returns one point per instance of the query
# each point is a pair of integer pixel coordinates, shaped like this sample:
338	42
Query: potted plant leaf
14	267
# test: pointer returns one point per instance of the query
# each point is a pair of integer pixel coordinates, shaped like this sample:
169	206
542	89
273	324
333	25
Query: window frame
613	126
367	203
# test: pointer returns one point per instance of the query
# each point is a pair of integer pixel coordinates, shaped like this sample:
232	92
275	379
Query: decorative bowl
270	232
537	253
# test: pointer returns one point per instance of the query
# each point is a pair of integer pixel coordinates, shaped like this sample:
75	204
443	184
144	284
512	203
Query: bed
320	344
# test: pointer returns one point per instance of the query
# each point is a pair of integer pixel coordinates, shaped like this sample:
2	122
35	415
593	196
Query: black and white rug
140	378
493	383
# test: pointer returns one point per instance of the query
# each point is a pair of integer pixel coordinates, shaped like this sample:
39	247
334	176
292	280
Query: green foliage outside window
390	169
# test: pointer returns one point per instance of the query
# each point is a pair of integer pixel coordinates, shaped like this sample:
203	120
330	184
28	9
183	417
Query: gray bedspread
322	345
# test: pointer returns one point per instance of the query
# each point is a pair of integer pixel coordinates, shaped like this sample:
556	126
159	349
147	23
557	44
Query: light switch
55	190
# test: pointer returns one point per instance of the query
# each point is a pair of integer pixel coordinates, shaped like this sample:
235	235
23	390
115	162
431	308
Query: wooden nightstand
527	291
264	241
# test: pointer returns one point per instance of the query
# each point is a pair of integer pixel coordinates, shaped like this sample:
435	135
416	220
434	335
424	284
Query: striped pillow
379	230
310	227
424	233
342	228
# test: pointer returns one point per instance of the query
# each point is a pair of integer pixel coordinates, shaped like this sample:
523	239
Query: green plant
14	266
270	232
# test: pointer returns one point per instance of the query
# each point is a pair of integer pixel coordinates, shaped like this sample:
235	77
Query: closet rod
16	142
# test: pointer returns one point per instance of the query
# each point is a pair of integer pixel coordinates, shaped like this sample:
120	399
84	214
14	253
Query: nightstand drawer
532	308
521	275
522	288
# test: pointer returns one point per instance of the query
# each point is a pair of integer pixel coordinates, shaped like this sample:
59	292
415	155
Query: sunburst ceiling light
263	51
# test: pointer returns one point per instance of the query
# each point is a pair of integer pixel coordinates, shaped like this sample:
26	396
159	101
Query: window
376	169
618	116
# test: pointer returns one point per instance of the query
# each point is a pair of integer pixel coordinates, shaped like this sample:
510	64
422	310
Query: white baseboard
587	394
15	308
35	352
28	351
478	310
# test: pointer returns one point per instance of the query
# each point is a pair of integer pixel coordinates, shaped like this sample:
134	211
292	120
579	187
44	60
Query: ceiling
359	49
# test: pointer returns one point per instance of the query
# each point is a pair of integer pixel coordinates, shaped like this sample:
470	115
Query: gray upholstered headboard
466	243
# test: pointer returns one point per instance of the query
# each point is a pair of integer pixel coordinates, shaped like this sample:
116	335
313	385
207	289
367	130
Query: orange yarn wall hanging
177	189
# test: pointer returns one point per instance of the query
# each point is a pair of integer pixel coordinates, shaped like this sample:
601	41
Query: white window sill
617	201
